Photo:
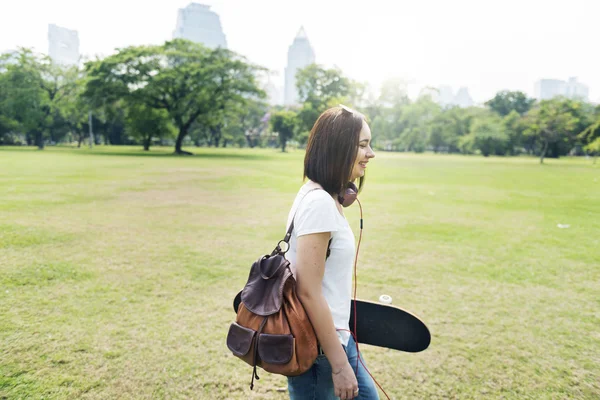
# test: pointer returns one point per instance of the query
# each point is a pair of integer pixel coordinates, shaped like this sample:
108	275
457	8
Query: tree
245	124
436	136
382	131
63	86
591	138
319	89
415	124
513	127
506	101
594	148
109	121
8	124
34	92
74	110
24	103
187	80
550	123
317	85
145	123
285	124
393	93
489	136
448	127
385	111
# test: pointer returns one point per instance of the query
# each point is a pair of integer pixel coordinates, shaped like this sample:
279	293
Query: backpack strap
288	235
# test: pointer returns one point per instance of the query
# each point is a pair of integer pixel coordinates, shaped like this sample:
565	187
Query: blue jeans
317	383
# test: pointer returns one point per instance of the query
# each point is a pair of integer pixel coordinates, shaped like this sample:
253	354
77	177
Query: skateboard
383	325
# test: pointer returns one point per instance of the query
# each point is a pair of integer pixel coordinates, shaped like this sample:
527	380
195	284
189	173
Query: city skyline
300	55
198	23
465	44
549	88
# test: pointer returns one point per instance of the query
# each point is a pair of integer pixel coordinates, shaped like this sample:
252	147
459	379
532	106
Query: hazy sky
482	44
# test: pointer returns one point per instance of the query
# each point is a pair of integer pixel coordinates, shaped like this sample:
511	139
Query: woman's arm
310	267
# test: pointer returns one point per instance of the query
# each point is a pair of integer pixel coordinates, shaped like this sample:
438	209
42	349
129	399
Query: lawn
118	268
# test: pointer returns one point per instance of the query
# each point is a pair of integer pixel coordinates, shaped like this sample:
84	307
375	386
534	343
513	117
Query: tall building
273	91
300	55
447	98
63	45
463	99
199	24
576	90
549	88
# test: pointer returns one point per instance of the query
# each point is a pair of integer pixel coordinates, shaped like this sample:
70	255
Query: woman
338	150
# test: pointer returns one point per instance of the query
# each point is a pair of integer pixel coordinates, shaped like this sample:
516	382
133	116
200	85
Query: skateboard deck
383	325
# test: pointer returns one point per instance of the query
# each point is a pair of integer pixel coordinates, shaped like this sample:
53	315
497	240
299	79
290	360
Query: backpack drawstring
255	361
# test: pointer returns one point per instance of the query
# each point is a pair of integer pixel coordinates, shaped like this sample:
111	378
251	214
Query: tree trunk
39	139
182	134
79	140
283	143
215	134
544	150
147	141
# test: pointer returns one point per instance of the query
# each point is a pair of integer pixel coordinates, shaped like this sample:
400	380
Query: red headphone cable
354	334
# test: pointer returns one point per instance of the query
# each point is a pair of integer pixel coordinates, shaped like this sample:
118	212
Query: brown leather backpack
272	329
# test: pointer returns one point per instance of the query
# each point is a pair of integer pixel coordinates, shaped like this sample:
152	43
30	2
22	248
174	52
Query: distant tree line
184	94
509	124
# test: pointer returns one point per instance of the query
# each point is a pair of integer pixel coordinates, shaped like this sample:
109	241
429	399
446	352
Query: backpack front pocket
275	349
239	339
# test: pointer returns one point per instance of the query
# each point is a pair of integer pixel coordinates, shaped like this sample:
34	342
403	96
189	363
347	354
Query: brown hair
332	148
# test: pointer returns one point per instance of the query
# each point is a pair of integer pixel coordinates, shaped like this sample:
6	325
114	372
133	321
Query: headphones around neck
347	196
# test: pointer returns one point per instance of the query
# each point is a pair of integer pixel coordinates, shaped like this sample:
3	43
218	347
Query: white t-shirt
317	212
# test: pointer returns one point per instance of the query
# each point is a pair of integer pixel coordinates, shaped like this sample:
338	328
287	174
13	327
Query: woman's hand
345	385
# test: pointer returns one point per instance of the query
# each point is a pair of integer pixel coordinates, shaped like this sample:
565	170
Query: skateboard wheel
385	299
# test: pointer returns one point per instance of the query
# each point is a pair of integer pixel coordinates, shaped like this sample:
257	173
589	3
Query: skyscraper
576	90
63	45
463	98
300	55
549	88
199	24
273	91
446	97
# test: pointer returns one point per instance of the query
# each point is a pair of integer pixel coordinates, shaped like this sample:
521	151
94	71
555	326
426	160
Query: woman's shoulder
318	197
315	213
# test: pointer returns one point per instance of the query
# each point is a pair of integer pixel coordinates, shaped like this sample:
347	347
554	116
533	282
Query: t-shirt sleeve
316	213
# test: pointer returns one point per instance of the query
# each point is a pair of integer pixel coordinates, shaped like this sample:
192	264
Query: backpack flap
263	293
275	349
239	339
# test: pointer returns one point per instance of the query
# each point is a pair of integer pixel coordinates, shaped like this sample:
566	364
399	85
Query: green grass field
118	270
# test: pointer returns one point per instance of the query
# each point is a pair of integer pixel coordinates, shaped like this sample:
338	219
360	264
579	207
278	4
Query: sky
485	45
